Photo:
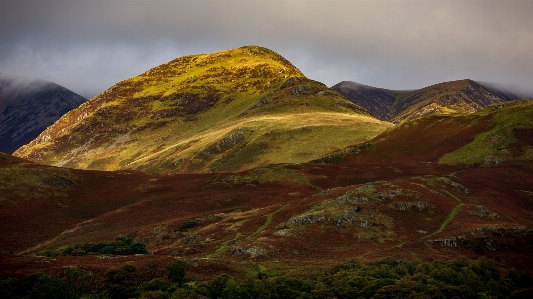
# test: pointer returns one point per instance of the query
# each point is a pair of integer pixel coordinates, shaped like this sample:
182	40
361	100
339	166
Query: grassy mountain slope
226	111
28	107
455	97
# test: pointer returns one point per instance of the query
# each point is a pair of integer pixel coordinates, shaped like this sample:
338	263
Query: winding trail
267	222
452	214
226	243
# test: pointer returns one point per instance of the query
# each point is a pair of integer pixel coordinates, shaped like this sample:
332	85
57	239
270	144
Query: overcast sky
89	45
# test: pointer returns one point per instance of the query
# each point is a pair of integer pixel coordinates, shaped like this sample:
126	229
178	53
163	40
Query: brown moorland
391	196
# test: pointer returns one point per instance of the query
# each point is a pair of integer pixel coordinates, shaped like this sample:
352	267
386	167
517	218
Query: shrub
71	283
187	225
138	248
121	246
157	284
177	271
108	249
122	282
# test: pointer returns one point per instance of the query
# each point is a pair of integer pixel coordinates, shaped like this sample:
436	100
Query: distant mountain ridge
461	96
28	107
226	111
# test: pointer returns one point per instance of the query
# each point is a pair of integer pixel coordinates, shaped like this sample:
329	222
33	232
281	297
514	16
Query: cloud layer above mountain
88	45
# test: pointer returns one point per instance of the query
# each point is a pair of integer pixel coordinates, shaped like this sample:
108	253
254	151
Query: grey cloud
89	45
14	86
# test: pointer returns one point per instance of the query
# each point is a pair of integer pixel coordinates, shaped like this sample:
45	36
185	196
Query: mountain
377	101
498	134
28	107
227	111
445	187
462	96
409	193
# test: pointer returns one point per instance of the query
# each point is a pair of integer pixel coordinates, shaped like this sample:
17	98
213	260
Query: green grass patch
267	222
225	245
493	146
452	214
37	182
399	245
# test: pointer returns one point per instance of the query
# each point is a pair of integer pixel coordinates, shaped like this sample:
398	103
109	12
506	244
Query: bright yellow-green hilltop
227	111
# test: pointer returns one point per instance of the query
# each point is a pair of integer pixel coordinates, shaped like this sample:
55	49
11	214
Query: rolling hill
227	111
408	194
214	135
462	96
28	107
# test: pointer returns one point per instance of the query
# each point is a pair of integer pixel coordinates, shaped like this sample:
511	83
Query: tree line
387	278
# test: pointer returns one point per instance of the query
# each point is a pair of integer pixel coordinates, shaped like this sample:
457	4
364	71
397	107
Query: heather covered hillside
203	166
407	194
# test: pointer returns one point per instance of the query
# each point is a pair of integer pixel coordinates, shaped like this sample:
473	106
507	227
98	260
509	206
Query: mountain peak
199	113
28	107
453	97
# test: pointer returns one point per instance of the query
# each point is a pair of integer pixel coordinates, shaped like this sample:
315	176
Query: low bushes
387	278
121	246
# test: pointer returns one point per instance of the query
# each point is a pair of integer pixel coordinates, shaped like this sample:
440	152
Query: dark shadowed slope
377	101
455	97
27	108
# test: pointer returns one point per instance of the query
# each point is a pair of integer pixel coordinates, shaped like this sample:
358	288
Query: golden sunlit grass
302	137
228	111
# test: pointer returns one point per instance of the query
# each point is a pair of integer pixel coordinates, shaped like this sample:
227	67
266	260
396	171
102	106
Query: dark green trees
121	283
176	272
121	246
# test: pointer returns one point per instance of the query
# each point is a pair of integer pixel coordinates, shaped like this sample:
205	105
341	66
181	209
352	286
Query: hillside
455	97
495	135
407	194
28	107
227	111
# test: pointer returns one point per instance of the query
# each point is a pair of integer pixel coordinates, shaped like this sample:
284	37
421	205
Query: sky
89	45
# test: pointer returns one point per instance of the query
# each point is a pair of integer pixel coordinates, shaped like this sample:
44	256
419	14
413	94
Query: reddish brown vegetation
494	207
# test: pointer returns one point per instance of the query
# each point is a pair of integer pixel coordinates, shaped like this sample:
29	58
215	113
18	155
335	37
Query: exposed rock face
462	96
27	108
